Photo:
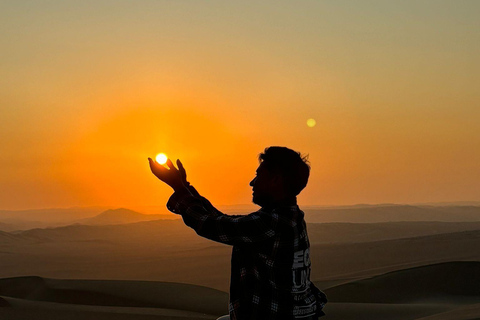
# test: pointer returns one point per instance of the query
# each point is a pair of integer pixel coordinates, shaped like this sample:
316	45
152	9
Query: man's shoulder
292	212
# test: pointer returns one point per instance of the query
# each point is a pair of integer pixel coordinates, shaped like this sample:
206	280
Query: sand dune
41	218
391	213
449	283
167	299
470	312
7	238
356	264
4	303
50	218
62	314
360	260
6	227
413	293
433	292
380	311
322	233
119	216
169	251
174	231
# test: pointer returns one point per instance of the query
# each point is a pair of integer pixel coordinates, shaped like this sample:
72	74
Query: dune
380	311
119	216
407	278
391	213
167	250
24	304
174	231
53	314
470	312
41	218
444	291
144	297
8	238
413	293
361	260
341	232
51	218
6	227
4	303
449	283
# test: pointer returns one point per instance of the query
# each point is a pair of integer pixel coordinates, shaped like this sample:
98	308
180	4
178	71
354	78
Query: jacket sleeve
199	214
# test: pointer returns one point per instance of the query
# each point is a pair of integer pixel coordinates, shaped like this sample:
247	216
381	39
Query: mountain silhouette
119	216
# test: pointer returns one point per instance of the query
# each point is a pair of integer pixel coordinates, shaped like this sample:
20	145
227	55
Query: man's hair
291	165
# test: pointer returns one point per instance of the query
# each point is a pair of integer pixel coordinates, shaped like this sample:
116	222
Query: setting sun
161	158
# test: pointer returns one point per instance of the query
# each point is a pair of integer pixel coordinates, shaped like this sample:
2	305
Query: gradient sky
90	89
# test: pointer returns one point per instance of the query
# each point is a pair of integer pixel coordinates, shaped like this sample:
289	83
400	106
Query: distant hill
8	238
119	216
51	215
6	227
163	233
342	232
392	213
11	220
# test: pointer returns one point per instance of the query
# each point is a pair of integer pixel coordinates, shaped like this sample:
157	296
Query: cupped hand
175	178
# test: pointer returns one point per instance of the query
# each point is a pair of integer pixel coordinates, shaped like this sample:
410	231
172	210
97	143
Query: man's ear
277	179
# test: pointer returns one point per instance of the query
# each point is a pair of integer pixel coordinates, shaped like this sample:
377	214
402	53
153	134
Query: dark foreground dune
470	312
443	291
98	299
450	283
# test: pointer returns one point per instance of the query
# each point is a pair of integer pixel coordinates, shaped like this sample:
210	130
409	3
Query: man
270	272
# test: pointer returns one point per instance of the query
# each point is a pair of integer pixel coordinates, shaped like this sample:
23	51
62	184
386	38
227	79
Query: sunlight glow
311	123
161	158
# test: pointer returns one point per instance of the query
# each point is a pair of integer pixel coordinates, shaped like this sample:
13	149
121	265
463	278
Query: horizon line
440	203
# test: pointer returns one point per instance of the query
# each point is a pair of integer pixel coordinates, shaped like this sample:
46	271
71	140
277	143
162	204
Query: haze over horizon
89	90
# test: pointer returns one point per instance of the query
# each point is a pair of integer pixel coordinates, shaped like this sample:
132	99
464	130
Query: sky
90	89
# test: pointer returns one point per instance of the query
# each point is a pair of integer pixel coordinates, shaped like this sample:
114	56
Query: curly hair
290	164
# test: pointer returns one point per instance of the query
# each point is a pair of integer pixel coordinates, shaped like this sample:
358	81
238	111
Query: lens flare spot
161	158
311	123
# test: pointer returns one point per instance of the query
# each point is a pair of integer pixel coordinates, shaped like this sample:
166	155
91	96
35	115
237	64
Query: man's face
263	186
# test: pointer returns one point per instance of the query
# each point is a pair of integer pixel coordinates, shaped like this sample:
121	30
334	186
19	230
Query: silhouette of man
270	271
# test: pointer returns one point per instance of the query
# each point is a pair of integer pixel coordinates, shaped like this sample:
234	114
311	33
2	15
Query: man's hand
176	179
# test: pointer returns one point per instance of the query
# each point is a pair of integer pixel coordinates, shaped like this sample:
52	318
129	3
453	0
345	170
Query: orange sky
89	90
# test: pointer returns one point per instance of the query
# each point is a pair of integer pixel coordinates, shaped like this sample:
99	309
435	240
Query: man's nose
252	183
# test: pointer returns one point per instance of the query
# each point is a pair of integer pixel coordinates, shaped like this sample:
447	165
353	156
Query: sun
311	123
161	158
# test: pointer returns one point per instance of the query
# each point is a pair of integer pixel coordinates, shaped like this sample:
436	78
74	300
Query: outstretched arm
210	223
199	214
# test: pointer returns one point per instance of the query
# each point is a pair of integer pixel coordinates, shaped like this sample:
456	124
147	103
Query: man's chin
258	201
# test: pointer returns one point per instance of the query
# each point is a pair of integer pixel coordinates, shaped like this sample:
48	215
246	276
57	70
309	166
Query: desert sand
418	270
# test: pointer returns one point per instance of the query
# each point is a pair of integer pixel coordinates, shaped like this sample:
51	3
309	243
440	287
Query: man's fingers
170	164
151	163
183	173
155	167
180	165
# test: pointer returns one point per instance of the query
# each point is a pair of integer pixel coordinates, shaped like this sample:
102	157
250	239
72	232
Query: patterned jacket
270	268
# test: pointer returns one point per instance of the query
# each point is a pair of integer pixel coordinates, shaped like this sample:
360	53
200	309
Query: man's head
281	175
